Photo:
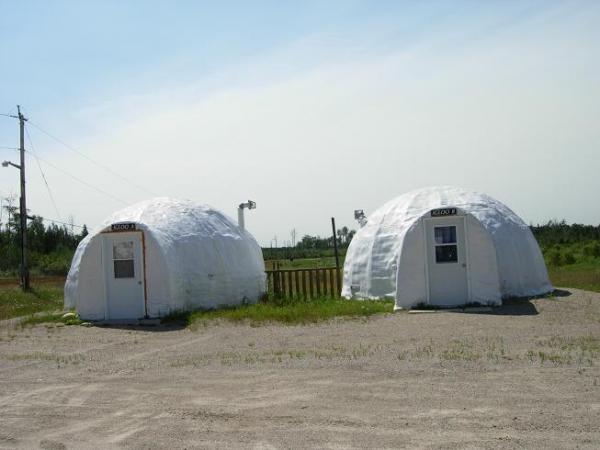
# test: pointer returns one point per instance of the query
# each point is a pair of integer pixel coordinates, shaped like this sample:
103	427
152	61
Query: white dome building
161	256
444	246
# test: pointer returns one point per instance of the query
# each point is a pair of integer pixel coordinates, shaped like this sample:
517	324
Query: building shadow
515	307
560	293
519	306
174	325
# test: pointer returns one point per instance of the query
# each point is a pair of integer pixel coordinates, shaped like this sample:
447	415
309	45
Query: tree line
51	247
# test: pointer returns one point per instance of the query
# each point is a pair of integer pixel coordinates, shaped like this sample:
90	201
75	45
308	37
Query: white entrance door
124	275
446	261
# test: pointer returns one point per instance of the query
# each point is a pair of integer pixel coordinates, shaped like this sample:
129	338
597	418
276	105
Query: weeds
56	318
288	311
43	297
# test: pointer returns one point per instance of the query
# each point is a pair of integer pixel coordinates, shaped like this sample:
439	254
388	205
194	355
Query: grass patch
585	275
289	312
303	263
42	297
51	317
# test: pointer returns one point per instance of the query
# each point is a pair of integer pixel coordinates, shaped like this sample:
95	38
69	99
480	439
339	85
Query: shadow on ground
520	306
160	328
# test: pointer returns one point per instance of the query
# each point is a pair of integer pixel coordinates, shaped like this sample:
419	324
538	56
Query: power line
93	161
61	222
81	181
33	152
8	148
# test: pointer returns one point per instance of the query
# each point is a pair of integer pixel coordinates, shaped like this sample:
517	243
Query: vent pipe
250	205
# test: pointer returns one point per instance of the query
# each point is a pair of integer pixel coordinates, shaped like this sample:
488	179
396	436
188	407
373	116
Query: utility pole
24	272
23	203
24	265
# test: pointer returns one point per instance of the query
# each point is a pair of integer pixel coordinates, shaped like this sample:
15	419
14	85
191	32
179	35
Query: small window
124	268
123	259
445	235
446	254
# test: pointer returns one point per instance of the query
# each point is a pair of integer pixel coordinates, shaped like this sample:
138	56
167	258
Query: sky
312	109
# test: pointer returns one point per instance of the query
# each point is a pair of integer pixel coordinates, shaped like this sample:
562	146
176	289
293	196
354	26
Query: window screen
123	259
446	254
124	268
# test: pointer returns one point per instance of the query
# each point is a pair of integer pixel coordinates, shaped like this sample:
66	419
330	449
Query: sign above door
125	226
443	212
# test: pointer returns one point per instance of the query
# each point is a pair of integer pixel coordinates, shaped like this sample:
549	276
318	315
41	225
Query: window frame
453	243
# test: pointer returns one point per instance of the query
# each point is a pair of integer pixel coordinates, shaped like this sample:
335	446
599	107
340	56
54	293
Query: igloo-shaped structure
160	256
444	246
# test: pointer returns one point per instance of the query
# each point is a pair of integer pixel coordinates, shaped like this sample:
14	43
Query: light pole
22	202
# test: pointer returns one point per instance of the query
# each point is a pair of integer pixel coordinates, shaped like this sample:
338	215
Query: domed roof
412	205
176	218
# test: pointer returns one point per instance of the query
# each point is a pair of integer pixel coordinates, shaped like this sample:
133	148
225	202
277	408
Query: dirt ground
526	375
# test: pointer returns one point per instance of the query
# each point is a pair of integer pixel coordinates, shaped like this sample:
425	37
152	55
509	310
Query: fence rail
304	283
8	281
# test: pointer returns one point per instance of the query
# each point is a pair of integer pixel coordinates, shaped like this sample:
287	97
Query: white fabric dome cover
386	258
195	258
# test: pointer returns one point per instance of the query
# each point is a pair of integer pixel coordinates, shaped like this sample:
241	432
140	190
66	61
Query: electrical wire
33	152
97	189
93	161
61	222
3	147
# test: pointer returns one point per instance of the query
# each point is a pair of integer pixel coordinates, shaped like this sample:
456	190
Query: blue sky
294	104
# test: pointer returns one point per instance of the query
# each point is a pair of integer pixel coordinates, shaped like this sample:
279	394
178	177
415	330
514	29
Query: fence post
337	258
318	281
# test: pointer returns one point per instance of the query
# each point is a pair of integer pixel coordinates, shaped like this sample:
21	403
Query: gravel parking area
525	375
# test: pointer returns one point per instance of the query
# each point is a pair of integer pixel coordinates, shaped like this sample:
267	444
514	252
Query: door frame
426	242
104	235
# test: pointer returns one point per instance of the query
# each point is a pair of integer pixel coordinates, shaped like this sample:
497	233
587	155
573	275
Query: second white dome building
444	246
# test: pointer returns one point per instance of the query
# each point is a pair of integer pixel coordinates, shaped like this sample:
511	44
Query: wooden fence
304	283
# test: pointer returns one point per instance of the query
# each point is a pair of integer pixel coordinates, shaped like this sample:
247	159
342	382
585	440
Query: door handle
464	265
140	283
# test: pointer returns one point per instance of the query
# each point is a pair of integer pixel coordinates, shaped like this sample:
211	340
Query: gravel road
526	375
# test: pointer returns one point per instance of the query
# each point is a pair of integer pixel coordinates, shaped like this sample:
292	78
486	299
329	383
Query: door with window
446	261
124	275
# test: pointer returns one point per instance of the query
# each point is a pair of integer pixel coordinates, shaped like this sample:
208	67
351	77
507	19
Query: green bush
554	257
592	249
569	258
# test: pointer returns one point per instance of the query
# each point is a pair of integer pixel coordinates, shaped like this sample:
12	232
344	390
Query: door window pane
123	250
445	235
124	268
446	254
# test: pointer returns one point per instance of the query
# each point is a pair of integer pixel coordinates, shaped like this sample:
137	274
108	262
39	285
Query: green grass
51	317
304	263
41	297
290	311
585	275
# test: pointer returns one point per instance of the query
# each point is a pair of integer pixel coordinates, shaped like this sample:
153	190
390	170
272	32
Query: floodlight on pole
248	205
360	217
8	163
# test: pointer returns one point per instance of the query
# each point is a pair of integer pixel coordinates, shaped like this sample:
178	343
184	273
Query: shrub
592	249
554	257
569	258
